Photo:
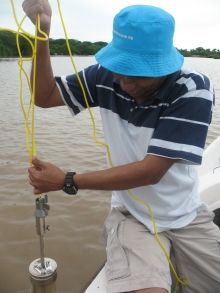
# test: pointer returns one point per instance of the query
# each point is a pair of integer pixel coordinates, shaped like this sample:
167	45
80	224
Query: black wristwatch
69	186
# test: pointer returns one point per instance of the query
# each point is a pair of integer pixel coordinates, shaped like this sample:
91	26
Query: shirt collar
170	80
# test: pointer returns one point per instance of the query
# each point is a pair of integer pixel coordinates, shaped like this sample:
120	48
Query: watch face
70	189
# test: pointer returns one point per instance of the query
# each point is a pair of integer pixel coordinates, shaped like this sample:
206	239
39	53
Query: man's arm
146	172
47	93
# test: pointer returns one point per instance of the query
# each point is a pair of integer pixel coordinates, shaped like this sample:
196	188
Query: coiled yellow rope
30	132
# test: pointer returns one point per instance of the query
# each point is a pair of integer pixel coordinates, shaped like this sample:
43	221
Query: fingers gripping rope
30	132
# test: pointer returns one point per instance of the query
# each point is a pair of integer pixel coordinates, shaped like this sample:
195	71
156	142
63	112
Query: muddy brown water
75	221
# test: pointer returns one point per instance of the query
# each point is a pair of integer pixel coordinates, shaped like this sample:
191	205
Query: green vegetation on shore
201	52
8	47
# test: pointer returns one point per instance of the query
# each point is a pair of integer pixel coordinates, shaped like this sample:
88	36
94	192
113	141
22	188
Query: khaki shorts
136	261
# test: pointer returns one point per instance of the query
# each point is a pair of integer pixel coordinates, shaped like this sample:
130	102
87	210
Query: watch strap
69	185
69	178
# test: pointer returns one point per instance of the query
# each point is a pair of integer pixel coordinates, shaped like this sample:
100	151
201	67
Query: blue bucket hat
142	43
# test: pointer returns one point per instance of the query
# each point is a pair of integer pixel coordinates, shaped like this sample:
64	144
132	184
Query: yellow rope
81	85
32	149
29	130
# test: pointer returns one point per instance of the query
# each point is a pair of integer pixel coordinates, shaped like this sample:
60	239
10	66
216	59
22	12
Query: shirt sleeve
182	128
79	92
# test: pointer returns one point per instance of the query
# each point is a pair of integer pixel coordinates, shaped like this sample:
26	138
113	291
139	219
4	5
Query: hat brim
131	64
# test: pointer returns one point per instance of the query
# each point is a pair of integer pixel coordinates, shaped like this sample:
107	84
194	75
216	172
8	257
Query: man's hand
34	7
45	177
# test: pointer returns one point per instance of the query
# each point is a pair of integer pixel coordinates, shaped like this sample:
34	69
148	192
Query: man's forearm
146	172
46	92
117	178
45	83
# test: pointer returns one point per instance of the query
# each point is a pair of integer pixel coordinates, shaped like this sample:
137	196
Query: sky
197	21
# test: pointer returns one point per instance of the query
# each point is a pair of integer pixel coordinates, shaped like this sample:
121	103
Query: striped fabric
172	123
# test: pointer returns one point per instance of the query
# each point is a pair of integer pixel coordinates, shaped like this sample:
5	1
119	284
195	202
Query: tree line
201	52
9	49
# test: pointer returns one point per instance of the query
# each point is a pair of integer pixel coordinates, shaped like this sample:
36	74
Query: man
155	117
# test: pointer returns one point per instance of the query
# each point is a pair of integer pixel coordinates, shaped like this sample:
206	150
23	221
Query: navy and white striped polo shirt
172	123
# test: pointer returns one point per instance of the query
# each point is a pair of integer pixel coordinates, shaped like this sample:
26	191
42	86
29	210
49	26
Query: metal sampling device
42	271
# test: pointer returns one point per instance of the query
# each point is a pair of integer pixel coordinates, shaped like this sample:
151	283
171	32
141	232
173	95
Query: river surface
75	221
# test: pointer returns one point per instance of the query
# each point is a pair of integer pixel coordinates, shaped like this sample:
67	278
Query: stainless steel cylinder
40	226
43	279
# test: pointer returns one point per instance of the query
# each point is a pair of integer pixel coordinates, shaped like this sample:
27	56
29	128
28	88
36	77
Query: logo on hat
123	36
